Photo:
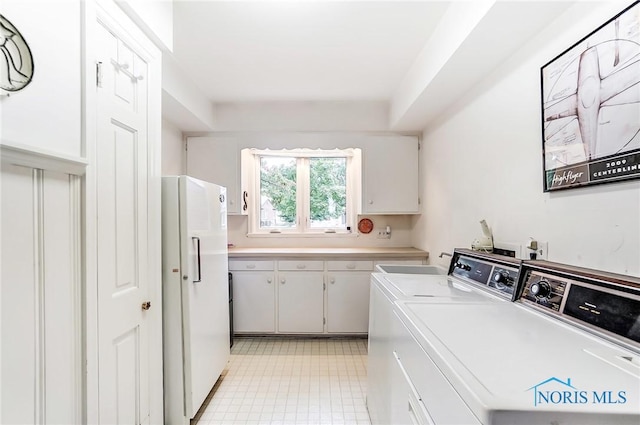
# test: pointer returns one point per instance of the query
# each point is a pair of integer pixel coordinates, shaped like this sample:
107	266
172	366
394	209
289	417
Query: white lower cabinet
348	302
348	296
254	302
288	296
300	302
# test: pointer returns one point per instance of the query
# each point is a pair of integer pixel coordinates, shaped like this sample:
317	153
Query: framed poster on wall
591	107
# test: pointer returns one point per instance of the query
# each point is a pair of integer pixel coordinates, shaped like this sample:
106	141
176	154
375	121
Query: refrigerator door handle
197	239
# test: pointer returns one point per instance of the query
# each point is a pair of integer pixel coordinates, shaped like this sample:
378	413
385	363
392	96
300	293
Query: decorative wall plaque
591	107
16	62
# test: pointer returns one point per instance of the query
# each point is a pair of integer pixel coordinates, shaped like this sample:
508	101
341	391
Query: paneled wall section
40	315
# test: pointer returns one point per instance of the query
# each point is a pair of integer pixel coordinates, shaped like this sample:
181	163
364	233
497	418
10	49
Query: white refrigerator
195	293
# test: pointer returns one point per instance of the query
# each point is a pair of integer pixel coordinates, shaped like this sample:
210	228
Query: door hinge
99	74
324	320
324	286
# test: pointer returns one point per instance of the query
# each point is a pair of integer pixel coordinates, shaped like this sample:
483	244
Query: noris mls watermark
556	391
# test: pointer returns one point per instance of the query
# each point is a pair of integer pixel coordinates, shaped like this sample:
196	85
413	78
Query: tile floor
290	381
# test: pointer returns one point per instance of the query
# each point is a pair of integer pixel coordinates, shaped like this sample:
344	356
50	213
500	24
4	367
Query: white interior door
122	243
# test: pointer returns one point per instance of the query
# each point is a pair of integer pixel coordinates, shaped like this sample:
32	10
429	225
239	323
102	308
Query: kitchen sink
411	269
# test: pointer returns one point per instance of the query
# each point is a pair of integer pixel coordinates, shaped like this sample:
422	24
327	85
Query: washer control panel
495	273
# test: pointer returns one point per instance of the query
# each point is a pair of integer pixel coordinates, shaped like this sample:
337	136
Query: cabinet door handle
251	266
282	281
301	266
332	280
351	266
244	200
269	281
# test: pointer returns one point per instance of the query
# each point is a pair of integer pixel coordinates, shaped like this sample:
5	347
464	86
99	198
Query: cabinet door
385	156
301	302
217	160
348	302
254	302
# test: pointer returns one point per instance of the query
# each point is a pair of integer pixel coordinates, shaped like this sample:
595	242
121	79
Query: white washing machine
474	277
566	352
471	274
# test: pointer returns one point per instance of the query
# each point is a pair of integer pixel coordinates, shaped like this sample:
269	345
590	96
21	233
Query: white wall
172	149
302	116
182	101
400	235
483	159
46	114
154	17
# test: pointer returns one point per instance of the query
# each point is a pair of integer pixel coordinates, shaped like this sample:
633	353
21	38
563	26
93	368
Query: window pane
328	192
277	192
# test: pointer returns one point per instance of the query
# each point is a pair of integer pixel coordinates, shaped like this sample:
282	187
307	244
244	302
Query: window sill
304	235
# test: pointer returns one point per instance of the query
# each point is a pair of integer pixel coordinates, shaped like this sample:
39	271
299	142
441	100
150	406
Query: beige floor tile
291	381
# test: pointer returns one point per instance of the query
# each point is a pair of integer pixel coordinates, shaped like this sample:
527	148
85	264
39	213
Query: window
304	191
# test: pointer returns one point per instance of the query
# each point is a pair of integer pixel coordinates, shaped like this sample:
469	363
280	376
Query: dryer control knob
540	289
502	278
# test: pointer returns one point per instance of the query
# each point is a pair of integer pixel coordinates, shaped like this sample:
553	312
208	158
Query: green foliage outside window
278	184
328	183
327	188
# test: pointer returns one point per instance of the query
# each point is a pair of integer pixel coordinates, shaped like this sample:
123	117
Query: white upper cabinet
217	160
390	175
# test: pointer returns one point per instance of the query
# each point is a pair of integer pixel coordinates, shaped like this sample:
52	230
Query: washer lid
425	286
500	356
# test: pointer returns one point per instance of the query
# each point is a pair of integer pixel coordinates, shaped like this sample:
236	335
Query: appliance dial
540	289
502	278
462	266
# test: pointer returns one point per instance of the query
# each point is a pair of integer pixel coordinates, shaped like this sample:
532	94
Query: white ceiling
239	51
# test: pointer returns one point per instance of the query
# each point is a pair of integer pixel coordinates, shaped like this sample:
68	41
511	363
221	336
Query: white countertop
333	253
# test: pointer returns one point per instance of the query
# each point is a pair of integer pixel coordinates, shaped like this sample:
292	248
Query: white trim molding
41	159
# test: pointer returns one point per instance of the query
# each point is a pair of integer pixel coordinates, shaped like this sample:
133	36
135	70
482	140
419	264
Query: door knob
146	305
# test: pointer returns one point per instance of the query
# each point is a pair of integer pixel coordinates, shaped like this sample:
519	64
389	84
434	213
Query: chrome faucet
444	253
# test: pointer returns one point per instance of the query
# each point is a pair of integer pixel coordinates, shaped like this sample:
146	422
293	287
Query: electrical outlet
542	253
382	234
